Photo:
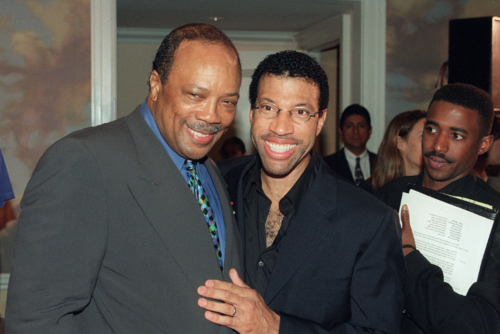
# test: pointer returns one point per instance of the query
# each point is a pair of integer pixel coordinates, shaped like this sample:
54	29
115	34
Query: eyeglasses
299	115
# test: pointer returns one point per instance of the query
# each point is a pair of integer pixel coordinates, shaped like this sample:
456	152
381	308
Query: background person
457	130
354	162
400	153
232	148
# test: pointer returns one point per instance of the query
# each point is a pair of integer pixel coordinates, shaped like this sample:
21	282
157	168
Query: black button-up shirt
260	259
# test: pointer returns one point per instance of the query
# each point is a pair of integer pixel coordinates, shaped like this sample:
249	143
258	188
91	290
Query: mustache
202	126
438	155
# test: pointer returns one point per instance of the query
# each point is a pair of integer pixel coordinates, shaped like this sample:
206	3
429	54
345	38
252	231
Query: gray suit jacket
111	239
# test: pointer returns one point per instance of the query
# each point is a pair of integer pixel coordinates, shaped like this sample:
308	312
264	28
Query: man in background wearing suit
321	255
112	237
354	162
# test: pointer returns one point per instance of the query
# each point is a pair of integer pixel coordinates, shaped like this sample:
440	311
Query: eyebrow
296	106
203	89
453	128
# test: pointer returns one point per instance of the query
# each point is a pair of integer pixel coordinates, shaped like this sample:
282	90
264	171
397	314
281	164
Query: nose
441	143
282	124
209	112
355	129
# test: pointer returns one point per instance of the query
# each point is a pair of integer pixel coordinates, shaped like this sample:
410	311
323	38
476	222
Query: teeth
196	133
280	148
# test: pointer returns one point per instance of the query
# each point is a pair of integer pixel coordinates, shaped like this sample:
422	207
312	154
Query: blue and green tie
201	196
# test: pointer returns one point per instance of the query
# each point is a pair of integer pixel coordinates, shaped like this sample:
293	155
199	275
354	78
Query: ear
321	122
370	132
485	144
401	143
250	115
155	86
340	134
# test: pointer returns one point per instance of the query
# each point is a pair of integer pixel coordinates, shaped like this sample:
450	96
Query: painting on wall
417	46
45	88
45	92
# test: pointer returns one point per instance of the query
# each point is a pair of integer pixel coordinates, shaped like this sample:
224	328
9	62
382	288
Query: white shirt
364	162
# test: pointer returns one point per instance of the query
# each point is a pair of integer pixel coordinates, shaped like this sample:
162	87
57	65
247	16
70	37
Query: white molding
373	63
103	55
345	91
156	36
333	31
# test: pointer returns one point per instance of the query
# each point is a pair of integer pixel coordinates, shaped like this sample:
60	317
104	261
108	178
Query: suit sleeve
377	288
436	308
60	242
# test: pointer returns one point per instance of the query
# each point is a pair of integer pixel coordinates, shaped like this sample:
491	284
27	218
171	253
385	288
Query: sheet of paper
450	237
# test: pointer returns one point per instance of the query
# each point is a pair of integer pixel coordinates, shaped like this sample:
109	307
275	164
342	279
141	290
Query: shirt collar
148	116
352	156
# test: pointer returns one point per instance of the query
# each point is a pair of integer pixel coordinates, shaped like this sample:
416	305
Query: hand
252	314
406	232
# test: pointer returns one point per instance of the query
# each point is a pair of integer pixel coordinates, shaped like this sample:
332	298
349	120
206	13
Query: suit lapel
169	205
346	171
307	230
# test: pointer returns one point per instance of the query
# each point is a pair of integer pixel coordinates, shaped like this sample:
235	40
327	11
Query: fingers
216	307
227	293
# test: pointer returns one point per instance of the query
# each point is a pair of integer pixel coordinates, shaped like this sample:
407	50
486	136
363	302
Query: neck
357	151
429	183
411	169
277	187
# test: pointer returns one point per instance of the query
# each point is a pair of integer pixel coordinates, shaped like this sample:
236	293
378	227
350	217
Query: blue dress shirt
203	175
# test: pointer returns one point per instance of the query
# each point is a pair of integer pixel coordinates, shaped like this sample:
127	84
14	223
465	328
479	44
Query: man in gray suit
112	238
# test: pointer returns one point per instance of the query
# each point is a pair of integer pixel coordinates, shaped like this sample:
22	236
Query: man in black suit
321	255
111	238
457	130
354	162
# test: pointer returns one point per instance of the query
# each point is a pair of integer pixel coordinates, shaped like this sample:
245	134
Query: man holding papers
456	131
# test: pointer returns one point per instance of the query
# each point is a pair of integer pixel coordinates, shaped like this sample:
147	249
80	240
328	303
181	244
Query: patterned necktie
201	196
358	175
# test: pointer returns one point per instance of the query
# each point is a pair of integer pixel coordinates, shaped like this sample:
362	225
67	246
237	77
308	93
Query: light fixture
216	18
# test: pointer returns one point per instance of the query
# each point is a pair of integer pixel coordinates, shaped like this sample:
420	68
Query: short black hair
469	97
355	109
165	55
292	64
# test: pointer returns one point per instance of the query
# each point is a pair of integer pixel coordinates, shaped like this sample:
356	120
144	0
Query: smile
280	148
199	134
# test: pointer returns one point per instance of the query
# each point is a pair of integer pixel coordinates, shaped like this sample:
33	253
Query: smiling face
450	143
198	101
354	133
282	144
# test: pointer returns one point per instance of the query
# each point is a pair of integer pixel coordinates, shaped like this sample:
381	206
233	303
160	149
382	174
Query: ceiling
243	15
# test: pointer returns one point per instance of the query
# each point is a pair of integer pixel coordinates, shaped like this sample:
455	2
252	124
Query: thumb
235	278
405	217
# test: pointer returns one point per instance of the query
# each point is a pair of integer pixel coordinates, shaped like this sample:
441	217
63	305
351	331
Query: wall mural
45	84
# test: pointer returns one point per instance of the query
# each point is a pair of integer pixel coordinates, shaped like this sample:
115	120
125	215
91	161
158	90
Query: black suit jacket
340	268
111	239
431	304
338	163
